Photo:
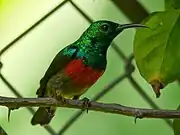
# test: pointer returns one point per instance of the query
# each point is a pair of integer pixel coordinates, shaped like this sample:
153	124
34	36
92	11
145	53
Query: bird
78	66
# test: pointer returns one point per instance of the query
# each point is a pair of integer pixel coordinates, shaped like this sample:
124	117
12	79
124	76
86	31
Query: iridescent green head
104	31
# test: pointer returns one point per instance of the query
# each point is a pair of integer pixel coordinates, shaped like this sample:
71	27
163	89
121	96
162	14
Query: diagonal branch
2	131
94	106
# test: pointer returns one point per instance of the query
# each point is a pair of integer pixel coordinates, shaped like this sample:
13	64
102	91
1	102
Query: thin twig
146	97
95	106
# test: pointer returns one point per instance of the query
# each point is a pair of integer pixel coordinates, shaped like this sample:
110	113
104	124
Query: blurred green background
26	62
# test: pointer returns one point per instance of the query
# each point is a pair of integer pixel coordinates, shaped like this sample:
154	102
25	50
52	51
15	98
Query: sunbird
77	66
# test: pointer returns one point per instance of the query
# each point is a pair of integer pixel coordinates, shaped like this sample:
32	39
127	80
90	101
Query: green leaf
172	4
168	4
176	4
157	51
176	125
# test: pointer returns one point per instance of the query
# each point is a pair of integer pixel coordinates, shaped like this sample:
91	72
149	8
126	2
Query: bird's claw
86	103
60	98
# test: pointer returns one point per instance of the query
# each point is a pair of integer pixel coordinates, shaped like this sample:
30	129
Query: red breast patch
81	74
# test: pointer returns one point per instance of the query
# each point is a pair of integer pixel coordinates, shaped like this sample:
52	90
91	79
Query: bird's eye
105	27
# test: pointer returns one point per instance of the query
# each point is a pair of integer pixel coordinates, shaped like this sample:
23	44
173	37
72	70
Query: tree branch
95	106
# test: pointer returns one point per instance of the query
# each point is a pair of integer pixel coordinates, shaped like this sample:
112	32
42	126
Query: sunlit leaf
157	51
172	4
176	4
168	4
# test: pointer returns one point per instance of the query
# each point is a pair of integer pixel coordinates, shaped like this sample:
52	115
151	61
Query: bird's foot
86	103
76	97
58	97
62	99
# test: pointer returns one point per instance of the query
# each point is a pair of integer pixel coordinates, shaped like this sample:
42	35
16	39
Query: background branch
2	131
95	106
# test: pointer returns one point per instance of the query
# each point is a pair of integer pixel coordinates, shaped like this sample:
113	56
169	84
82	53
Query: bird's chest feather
81	74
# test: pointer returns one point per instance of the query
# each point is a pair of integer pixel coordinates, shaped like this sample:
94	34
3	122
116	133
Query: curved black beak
131	25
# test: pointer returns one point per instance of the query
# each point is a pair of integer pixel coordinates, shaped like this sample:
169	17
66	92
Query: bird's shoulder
62	58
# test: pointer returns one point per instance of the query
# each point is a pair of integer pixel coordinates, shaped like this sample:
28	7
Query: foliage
157	51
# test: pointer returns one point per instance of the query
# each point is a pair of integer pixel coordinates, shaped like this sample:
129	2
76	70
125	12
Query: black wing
59	62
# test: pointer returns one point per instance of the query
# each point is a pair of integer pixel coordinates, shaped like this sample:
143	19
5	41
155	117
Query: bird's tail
43	116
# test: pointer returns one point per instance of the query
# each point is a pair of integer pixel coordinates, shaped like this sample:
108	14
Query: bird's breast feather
81	74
